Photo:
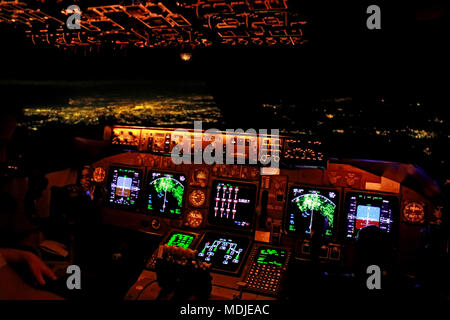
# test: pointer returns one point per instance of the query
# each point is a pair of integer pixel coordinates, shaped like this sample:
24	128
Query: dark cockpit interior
222	150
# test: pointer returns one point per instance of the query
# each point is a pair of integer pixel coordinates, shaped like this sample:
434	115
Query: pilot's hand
37	267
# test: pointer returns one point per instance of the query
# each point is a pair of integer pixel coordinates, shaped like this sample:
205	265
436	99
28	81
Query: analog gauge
156	224
197	198
414	212
194	219
200	177
99	174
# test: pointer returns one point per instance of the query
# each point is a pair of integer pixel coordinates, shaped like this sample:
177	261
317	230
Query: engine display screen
180	239
365	209
308	207
165	193
232	204
271	256
124	187
224	252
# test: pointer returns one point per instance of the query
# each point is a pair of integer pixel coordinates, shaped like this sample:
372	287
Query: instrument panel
157	24
240	144
203	196
177	195
225	212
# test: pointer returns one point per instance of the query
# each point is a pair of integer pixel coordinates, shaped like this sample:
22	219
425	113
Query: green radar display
166	194
311	209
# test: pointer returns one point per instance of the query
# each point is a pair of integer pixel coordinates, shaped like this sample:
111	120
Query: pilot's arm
13	287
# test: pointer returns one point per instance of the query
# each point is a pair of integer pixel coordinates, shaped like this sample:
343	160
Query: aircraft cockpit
252	231
255	152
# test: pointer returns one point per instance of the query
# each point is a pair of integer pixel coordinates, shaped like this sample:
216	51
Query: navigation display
311	206
224	252
165	194
232	204
271	256
365	209
124	187
180	239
